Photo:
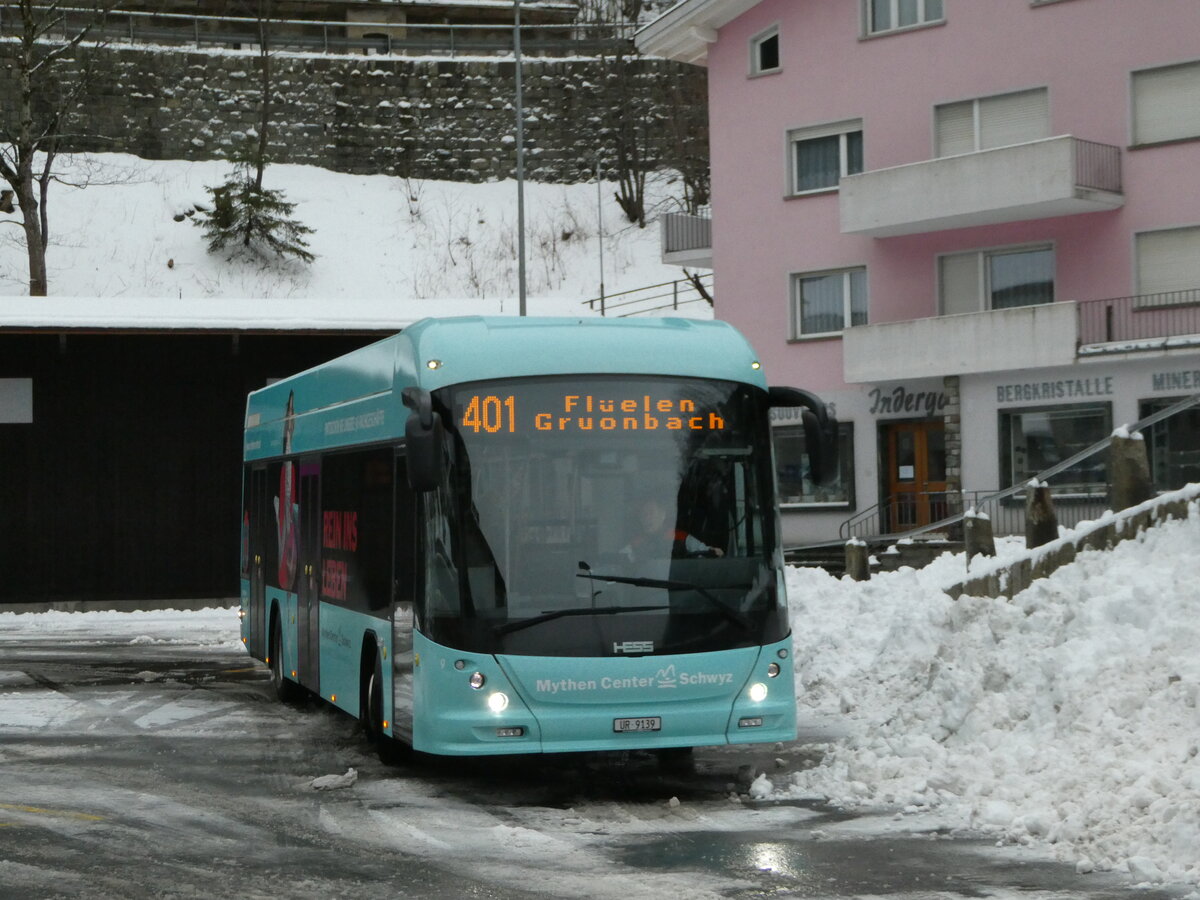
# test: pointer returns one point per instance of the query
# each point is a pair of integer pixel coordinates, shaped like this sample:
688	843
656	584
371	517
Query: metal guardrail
686	231
1097	166
1141	317
1073	503
330	36
989	500
654	298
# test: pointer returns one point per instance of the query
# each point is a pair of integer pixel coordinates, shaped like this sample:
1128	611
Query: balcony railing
1097	166
687	231
321	36
1140	318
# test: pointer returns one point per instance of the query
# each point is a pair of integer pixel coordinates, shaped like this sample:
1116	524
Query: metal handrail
201	30
1057	469
642	297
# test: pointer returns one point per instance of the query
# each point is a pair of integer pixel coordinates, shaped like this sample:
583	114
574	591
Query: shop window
791	466
1172	445
1033	440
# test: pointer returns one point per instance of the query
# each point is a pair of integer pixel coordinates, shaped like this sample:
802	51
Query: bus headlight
773	670
758	692
498	702
477	681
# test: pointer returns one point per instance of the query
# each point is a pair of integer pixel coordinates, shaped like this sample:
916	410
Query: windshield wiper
559	613
731	614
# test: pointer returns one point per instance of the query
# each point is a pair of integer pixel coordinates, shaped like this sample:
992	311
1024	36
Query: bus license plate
645	723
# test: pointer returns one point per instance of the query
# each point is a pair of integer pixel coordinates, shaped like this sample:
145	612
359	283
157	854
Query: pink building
974	227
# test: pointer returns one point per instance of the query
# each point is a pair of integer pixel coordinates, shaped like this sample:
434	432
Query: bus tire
391	752
285	689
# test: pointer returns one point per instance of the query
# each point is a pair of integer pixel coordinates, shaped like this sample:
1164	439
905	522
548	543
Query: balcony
1057	176
687	238
1024	337
1147	322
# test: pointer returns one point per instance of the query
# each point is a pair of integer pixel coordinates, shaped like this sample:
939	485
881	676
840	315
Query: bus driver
655	536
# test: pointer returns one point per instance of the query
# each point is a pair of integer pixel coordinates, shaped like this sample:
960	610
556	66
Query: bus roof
350	399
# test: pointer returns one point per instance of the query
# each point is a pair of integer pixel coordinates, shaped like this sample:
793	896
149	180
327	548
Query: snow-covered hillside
129	233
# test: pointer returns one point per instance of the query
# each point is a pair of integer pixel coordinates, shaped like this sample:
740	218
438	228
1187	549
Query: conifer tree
249	218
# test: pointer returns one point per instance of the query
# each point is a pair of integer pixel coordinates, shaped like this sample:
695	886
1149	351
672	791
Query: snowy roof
685	30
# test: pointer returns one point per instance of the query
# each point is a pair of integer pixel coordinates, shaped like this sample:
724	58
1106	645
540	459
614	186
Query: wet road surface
137	768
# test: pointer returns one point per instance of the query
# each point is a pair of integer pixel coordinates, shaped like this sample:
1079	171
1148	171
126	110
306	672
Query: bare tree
44	54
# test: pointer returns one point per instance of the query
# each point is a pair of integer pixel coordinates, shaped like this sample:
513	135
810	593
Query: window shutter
1013	119
1168	260
956	128
1166	104
960	284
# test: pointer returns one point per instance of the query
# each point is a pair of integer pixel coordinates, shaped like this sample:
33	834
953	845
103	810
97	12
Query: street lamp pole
520	160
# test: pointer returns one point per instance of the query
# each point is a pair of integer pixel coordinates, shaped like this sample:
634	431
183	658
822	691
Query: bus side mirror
423	434
820	430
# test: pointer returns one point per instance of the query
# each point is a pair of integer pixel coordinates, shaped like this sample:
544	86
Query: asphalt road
144	769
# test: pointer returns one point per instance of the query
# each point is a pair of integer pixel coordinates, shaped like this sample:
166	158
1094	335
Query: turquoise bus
527	535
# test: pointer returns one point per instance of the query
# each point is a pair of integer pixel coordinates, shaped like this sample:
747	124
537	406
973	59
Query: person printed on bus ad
657	538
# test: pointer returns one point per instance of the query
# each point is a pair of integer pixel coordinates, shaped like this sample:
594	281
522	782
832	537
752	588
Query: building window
995	279
1169	261
1172	445
826	302
764	52
791	466
986	122
1033	440
889	15
822	155
1166	104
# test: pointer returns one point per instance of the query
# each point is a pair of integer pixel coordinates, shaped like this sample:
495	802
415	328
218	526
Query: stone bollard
977	535
1041	522
1129	469
858	560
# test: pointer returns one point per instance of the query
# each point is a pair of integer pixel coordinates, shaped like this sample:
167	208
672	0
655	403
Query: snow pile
1067	718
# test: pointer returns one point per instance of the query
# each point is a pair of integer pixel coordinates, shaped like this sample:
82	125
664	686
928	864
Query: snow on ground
417	247
1066	719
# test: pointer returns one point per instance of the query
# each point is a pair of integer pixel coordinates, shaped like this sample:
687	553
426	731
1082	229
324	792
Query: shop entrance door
915	477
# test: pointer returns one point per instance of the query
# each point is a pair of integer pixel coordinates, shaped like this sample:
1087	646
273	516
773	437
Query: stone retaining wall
422	118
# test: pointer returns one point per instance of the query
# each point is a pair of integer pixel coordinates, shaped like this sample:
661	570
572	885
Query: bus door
308	607
404	595
257	506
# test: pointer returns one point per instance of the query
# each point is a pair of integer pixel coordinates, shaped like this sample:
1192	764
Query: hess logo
633	647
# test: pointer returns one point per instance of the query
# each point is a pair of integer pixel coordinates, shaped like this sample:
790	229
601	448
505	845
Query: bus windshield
603	515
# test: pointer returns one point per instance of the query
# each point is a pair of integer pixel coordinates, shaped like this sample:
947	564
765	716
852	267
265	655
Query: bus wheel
391	751
286	690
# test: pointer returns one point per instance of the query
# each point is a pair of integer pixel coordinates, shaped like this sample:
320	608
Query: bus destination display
499	414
